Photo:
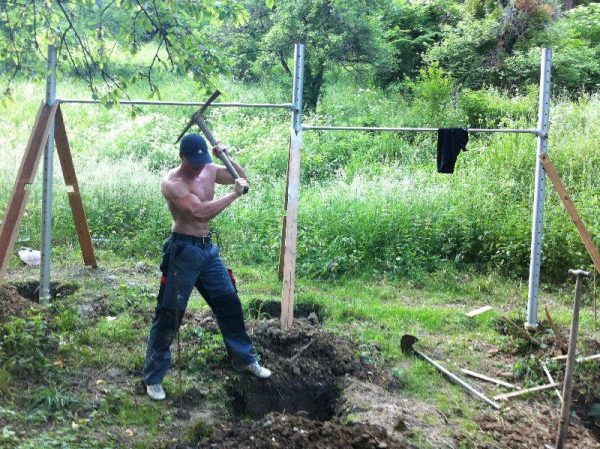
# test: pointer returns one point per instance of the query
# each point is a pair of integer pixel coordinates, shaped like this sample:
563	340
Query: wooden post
291	233
25	177
68	169
568	203
284	219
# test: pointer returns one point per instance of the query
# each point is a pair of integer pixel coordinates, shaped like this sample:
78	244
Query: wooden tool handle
211	138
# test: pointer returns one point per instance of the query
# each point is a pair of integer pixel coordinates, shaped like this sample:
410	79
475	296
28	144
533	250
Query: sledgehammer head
406	343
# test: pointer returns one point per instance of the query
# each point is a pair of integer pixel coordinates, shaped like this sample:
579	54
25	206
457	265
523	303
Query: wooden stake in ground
291	233
570	369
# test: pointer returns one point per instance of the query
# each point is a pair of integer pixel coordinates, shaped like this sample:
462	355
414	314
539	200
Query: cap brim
198	159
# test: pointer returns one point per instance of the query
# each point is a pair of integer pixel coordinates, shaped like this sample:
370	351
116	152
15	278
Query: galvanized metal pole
48	183
538	196
298	85
292	191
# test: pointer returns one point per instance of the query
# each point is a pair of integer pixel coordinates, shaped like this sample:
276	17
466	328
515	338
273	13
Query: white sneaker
156	392
259	371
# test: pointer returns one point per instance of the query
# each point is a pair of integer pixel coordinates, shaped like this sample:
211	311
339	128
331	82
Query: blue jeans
190	262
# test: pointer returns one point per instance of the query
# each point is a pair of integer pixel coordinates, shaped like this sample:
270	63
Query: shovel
406	344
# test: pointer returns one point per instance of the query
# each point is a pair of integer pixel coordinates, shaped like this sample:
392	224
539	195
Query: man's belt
193	239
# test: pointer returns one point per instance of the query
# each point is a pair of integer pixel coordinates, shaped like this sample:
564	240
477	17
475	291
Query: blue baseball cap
195	150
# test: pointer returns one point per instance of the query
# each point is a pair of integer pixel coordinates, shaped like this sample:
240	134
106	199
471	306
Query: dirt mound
309	350
13	304
519	428
309	366
297	432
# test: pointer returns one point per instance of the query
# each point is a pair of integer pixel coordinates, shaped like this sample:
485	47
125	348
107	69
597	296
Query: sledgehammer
406	344
199	120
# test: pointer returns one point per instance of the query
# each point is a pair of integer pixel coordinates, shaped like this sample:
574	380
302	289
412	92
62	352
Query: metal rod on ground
48	184
571	362
538	196
406	344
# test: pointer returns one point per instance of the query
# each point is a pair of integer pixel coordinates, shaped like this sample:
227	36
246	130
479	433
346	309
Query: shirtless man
191	260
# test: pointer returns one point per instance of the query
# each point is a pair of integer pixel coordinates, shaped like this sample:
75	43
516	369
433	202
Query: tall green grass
369	203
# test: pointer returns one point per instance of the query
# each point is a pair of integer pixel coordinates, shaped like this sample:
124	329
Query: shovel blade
406	343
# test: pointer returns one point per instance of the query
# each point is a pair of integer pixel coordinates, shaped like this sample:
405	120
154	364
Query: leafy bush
25	343
488	108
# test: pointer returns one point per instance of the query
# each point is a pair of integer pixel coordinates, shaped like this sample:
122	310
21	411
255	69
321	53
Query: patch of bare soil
13	304
401	416
526	427
279	431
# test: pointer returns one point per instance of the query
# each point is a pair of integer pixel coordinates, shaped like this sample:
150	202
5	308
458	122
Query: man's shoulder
172	182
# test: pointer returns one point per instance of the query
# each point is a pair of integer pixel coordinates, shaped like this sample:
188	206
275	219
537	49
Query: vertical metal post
290	231
538	196
297	87
48	184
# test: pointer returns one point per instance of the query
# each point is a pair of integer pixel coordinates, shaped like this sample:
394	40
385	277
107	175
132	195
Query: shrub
25	343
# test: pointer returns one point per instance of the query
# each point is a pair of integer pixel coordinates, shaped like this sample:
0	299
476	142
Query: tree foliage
84	31
502	48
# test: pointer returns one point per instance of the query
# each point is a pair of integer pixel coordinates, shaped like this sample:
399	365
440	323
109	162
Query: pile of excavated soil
13	304
277	431
521	428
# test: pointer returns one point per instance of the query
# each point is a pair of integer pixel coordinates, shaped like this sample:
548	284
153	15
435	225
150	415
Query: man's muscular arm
188	203
223	175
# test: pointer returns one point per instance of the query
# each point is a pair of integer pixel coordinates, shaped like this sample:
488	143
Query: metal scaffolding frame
289	227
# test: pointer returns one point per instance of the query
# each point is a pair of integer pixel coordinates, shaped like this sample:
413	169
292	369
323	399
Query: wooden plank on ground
489	379
25	176
291	233
478	311
284	220
551	380
502	397
66	161
568	203
579	359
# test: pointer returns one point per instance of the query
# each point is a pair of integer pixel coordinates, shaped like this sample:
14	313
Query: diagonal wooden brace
25	176
68	169
568	203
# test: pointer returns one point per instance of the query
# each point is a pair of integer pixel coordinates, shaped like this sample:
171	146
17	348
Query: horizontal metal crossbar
368	128
182	103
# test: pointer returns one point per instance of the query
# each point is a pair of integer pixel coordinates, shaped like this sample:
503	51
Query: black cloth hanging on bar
451	141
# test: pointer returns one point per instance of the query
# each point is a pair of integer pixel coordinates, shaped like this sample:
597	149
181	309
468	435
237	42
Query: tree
180	30
335	32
